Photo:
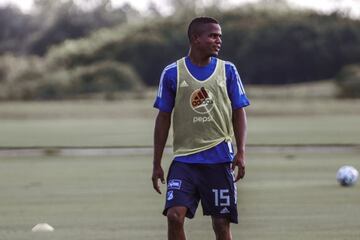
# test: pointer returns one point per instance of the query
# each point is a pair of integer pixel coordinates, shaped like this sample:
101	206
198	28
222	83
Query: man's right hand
157	174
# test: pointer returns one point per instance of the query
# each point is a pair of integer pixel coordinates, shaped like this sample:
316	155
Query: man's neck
198	59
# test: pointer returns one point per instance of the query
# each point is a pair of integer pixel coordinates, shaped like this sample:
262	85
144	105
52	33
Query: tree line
268	46
52	22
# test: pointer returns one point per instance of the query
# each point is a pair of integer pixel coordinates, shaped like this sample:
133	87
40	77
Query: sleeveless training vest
202	112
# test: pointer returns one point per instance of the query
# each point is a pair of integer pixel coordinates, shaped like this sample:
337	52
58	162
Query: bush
147	49
30	79
104	77
267	47
348	81
56	85
19	76
13	68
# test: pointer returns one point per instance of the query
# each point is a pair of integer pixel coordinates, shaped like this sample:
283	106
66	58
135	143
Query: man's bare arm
239	125
161	132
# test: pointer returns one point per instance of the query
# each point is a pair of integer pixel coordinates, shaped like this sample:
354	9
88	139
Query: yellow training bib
202	113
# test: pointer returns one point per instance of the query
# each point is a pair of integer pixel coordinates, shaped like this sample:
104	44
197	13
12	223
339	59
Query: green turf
286	195
131	123
76	132
139	132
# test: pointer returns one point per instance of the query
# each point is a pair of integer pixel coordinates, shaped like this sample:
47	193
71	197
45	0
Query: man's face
209	41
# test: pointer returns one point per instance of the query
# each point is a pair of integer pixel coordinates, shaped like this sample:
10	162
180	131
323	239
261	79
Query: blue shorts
213	184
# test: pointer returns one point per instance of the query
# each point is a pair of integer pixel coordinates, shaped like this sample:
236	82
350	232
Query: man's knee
221	228
176	215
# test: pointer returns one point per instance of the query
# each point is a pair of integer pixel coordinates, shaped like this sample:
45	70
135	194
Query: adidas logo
200	97
184	84
201	102
224	210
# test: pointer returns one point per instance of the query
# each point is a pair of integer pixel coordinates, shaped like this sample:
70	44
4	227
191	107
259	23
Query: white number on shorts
222	197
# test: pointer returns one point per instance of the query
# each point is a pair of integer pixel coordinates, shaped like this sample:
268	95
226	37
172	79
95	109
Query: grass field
288	194
289	197
131	123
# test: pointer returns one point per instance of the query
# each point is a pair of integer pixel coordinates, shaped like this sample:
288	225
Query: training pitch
289	191
288	195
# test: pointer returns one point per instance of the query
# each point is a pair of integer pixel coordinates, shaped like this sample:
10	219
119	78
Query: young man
207	100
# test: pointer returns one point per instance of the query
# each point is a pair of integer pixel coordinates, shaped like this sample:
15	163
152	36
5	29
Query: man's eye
215	36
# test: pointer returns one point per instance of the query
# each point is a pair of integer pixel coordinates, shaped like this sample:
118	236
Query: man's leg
176	217
221	228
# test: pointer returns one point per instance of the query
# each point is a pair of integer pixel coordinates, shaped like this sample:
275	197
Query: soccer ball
347	175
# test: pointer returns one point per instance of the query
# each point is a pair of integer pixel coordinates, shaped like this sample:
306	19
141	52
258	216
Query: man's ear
195	38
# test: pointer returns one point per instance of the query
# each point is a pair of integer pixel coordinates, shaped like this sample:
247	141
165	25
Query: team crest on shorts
170	195
174	184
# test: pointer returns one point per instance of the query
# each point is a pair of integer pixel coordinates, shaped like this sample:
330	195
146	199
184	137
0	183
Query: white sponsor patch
202	119
174	184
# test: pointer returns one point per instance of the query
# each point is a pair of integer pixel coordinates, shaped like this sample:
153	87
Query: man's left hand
239	162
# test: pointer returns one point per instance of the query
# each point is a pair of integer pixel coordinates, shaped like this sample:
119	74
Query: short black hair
194	26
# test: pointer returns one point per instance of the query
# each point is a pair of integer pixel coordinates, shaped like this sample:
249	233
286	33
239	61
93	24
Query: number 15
221	197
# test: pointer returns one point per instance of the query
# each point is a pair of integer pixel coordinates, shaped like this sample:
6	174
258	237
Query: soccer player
207	99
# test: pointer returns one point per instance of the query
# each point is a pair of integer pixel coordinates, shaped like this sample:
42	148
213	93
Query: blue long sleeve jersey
165	101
